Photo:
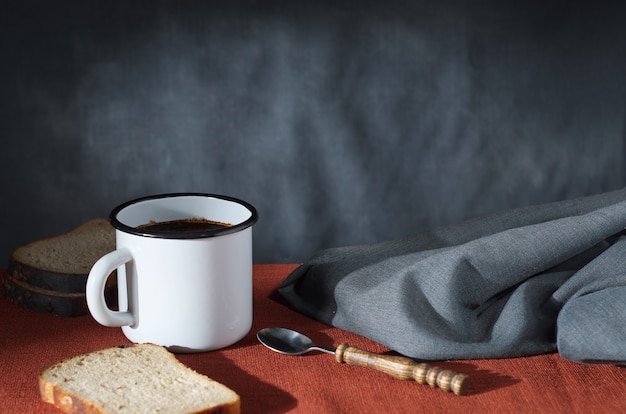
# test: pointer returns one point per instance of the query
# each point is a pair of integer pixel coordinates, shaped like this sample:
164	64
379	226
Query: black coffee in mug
192	225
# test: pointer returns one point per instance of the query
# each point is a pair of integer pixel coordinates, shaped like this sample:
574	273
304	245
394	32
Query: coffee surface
194	225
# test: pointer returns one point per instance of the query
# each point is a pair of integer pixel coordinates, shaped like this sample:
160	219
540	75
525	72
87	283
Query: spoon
286	341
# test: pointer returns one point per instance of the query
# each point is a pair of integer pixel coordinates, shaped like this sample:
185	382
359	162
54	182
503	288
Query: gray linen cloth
520	282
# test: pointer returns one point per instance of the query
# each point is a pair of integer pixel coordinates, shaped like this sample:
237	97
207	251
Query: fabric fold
504	285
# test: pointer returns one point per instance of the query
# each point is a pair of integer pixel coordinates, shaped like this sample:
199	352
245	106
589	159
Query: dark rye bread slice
50	275
44	301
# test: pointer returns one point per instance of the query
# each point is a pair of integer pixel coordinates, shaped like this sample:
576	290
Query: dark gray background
342	122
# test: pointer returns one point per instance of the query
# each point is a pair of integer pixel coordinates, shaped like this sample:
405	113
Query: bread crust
42	300
66	402
45	279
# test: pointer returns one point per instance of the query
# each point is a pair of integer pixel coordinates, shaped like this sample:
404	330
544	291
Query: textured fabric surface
520	282
269	382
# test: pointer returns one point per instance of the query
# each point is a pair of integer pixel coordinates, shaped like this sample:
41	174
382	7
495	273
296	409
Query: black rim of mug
189	235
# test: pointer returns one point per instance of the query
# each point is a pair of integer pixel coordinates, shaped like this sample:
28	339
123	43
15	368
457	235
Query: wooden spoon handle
404	368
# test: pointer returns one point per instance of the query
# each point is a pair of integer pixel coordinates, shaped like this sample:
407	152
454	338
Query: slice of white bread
49	275
139	378
72	253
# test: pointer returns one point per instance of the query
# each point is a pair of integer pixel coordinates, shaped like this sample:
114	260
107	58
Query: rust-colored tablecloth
269	382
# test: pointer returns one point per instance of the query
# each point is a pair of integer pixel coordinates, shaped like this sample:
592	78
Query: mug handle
95	289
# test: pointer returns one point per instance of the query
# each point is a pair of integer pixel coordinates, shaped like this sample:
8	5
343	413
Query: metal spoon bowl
288	342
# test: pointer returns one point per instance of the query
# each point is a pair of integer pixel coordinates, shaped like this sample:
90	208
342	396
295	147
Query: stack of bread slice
50	275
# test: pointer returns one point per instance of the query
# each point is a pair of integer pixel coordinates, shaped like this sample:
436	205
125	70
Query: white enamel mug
189	292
